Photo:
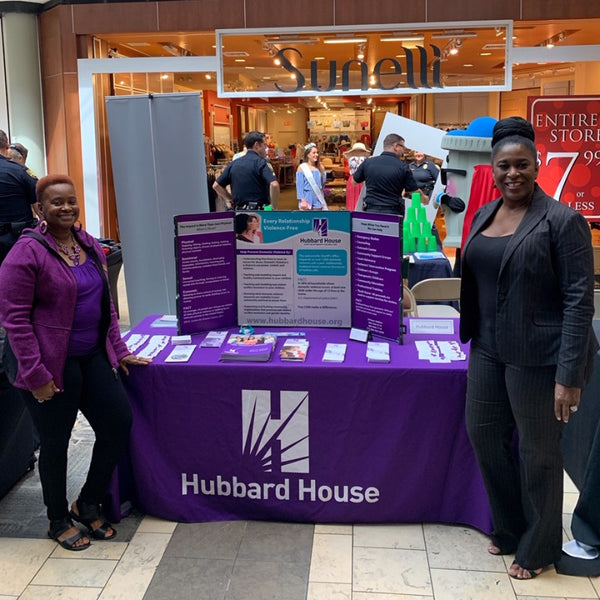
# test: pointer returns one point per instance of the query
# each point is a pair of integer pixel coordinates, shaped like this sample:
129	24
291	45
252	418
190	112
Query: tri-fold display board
294	269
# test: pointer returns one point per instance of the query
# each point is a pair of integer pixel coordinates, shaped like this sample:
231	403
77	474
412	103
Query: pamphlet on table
254	348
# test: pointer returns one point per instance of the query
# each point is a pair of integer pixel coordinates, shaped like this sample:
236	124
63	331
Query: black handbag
10	364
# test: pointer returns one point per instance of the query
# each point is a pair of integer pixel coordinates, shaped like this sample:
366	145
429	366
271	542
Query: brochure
213	339
254	348
334	353
181	353
294	349
378	352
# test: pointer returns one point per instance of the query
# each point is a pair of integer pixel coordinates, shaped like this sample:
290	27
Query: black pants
90	385
525	494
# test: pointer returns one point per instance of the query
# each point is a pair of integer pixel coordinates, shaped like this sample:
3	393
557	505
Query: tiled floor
153	559
243	560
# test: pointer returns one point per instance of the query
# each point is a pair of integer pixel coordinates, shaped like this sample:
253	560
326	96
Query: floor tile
207	540
375	596
155	525
329	591
390	571
569	502
129	581
46	592
278	542
135	571
267	581
190	579
450	584
145	549
596	584
553	585
331	560
456	547
568	484
75	572
339	529
408	536
20	560
99	550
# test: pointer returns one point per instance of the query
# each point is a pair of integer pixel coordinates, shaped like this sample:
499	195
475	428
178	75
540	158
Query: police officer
251	177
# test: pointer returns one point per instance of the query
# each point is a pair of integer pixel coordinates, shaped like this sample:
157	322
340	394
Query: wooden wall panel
468	10
201	15
359	12
283	13
115	17
560	9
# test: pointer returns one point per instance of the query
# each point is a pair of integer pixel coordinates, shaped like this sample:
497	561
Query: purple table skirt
355	442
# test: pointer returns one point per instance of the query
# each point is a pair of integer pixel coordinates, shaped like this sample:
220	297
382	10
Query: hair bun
512	126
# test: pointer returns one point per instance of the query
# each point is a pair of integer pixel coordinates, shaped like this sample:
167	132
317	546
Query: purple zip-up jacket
38	296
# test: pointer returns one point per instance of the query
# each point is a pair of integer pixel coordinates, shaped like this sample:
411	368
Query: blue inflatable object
479	127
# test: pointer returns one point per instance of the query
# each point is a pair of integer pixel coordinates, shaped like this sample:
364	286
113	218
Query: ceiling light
207	76
344	40
276	61
402	38
485	54
453	51
240	60
458	33
292	40
319	58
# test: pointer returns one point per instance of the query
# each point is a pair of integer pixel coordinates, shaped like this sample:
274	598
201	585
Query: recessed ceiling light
467	65
319	58
240	60
248	67
485	54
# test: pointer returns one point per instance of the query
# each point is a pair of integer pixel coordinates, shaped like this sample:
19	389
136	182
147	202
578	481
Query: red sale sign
567	137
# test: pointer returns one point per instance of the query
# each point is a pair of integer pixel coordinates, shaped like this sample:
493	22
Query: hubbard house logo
320	227
275	431
275	457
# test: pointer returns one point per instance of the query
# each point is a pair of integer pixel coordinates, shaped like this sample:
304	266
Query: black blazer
545	290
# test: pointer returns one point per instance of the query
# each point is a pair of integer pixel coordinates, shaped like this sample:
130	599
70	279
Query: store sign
452	57
385	76
567	137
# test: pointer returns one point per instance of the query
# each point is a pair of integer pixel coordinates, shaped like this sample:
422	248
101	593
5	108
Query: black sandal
88	513
58	527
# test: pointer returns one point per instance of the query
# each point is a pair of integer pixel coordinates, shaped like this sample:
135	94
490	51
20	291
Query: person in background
387	178
247	227
527	307
251	177
354	158
310	180
424	171
65	339
18	153
17	194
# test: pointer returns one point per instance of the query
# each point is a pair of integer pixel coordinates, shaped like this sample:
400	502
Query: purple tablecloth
309	441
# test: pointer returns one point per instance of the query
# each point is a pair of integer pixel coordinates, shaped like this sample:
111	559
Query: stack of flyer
253	348
294	349
378	352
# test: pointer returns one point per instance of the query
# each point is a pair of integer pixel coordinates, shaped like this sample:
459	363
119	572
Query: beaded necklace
72	254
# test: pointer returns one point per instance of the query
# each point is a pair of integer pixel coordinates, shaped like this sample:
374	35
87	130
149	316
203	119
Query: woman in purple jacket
63	330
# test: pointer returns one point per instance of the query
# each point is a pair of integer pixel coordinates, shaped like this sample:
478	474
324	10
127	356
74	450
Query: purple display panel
205	267
377	274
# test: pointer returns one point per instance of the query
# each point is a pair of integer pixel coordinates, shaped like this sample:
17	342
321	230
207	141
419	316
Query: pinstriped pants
525	491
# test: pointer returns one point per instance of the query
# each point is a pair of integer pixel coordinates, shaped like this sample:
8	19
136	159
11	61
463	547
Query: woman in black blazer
527	306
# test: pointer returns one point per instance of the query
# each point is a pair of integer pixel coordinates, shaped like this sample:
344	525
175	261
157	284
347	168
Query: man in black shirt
17	194
252	180
387	178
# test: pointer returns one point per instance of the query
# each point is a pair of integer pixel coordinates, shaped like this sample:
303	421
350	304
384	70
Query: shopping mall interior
82	52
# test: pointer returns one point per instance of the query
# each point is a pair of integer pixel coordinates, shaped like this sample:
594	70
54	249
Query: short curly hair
45	182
